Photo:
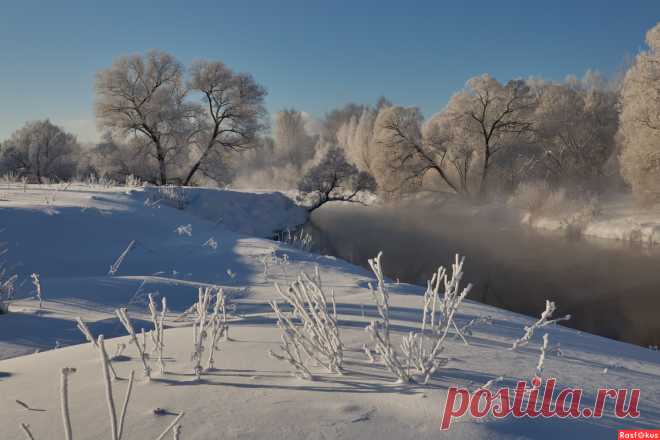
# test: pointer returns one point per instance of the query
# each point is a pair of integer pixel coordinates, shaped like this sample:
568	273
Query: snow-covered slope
72	237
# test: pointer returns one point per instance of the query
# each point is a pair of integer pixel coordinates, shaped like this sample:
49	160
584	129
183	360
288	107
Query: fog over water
610	289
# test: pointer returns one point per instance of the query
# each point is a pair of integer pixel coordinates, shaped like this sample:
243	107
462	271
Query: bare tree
334	179
459	143
231	113
40	150
143	96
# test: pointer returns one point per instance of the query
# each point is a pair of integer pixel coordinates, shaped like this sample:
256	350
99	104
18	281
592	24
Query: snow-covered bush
7	288
420	349
158	333
309	329
37	287
538	197
300	240
208	328
380	331
90	338
116	419
122	314
174	196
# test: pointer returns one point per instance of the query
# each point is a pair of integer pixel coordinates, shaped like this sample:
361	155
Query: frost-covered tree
404	156
457	145
357	138
335	179
293	144
143	96
640	120
40	150
576	124
146	100
230	115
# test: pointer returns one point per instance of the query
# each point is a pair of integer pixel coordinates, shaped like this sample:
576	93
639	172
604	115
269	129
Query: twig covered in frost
115	266
88	335
171	425
122	314
545	320
124	407
544	349
37	286
108	388
310	328
467	328
176	432
218	326
158	333
64	401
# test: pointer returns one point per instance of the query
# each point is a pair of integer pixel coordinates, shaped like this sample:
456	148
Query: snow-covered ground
618	219
71	236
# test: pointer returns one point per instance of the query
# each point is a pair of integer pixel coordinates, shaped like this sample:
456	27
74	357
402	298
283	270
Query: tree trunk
161	162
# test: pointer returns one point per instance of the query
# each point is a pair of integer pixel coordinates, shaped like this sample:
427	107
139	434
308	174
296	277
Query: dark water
610	289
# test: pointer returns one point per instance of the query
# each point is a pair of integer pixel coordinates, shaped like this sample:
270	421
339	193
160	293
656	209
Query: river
609	288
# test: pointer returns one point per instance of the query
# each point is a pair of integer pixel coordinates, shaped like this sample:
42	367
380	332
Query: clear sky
312	55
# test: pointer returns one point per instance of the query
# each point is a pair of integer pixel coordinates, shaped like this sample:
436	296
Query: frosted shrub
309	330
158	333
531	196
116	418
37	286
90	338
380	331
437	319
174	196
420	349
132	181
300	240
7	289
543	321
208	328
122	314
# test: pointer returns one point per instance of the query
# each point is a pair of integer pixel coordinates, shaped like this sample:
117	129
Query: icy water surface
610	289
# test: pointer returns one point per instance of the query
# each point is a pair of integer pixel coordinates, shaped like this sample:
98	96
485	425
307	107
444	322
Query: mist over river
609	288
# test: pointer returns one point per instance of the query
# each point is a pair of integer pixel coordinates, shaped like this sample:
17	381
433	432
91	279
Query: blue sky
312	55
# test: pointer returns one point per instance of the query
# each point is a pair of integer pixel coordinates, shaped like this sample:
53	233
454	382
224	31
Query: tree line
206	124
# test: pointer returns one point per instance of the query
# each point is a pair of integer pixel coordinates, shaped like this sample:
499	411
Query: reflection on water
611	290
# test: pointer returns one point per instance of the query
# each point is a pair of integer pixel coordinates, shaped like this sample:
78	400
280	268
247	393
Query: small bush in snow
158	333
37	286
309	330
90	338
174	196
380	331
208	328
122	314
420	349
